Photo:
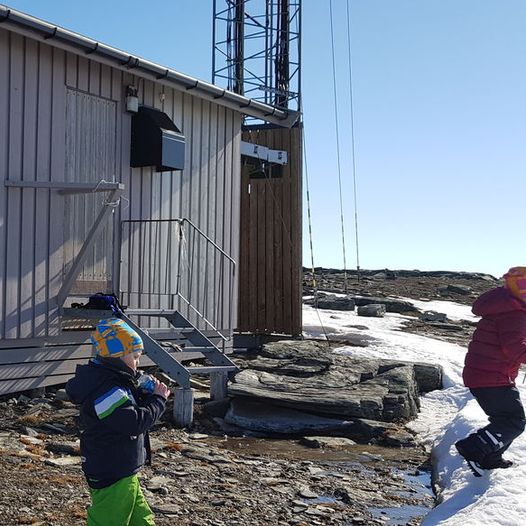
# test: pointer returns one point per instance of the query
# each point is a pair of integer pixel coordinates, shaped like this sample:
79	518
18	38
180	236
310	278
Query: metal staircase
184	340
190	340
179	283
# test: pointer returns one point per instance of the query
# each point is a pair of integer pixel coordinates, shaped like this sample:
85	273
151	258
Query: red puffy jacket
498	346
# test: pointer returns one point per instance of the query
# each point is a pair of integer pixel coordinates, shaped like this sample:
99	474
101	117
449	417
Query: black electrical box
156	141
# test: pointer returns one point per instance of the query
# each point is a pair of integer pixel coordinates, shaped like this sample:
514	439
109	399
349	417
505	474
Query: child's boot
495	461
475	448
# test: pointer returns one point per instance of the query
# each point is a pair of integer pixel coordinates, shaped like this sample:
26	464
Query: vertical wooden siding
270	253
34	79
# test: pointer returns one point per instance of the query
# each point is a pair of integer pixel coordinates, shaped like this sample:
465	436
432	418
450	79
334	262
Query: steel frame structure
257	50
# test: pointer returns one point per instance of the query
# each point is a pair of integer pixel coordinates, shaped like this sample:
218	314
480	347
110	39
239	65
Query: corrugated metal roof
55	35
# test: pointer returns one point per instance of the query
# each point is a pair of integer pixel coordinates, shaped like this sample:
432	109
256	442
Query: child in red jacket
495	353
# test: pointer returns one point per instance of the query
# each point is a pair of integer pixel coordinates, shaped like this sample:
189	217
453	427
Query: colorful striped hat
515	280
114	338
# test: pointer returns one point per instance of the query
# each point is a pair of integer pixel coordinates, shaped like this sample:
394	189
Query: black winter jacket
115	419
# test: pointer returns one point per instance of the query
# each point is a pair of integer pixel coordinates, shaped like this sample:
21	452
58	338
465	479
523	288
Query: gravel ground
200	477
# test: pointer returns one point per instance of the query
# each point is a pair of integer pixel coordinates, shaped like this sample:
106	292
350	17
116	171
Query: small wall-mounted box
156	141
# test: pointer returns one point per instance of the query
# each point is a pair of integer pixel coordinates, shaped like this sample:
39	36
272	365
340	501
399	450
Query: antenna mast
257	50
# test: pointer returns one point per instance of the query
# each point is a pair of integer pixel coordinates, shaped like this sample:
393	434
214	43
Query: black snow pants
506	415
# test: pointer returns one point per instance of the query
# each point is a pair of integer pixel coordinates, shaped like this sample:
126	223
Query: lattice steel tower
257	49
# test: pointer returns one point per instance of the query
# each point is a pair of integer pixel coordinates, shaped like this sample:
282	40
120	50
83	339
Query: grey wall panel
236	210
205	252
28	172
4	166
195	247
227	198
56	202
42	213
14	201
220	174
210	205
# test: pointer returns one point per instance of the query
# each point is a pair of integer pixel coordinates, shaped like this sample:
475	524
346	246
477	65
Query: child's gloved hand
161	389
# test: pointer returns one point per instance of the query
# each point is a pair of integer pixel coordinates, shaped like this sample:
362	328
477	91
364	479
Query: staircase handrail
181	222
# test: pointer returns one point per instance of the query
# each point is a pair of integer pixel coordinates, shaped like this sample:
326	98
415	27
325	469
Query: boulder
330	301
453	327
464	290
391	304
372	311
382	433
327	442
62	395
328	394
401	402
265	418
262	418
310	377
431	315
428	377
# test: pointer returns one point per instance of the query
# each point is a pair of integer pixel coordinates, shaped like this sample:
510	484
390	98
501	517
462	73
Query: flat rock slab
306	388
332	302
327	442
328	394
310	377
156	483
391	304
373	310
63	461
266	418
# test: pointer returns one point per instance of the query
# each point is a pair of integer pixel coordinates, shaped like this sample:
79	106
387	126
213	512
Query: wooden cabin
119	175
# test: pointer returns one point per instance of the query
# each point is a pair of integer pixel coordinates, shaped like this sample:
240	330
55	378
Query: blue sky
440	119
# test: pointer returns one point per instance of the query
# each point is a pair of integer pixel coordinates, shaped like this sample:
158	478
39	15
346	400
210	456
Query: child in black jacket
116	417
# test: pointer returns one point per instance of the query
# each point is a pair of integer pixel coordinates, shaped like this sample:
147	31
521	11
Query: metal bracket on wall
263	153
67	188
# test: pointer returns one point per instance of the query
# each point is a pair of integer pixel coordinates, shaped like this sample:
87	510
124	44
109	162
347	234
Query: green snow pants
121	504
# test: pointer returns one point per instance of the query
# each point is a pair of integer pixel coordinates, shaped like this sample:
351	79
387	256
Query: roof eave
22	23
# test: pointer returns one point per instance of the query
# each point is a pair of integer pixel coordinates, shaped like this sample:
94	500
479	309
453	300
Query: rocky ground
201	477
460	287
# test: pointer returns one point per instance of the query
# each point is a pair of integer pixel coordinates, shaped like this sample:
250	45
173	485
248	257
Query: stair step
213	369
150	312
177	333
188	349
